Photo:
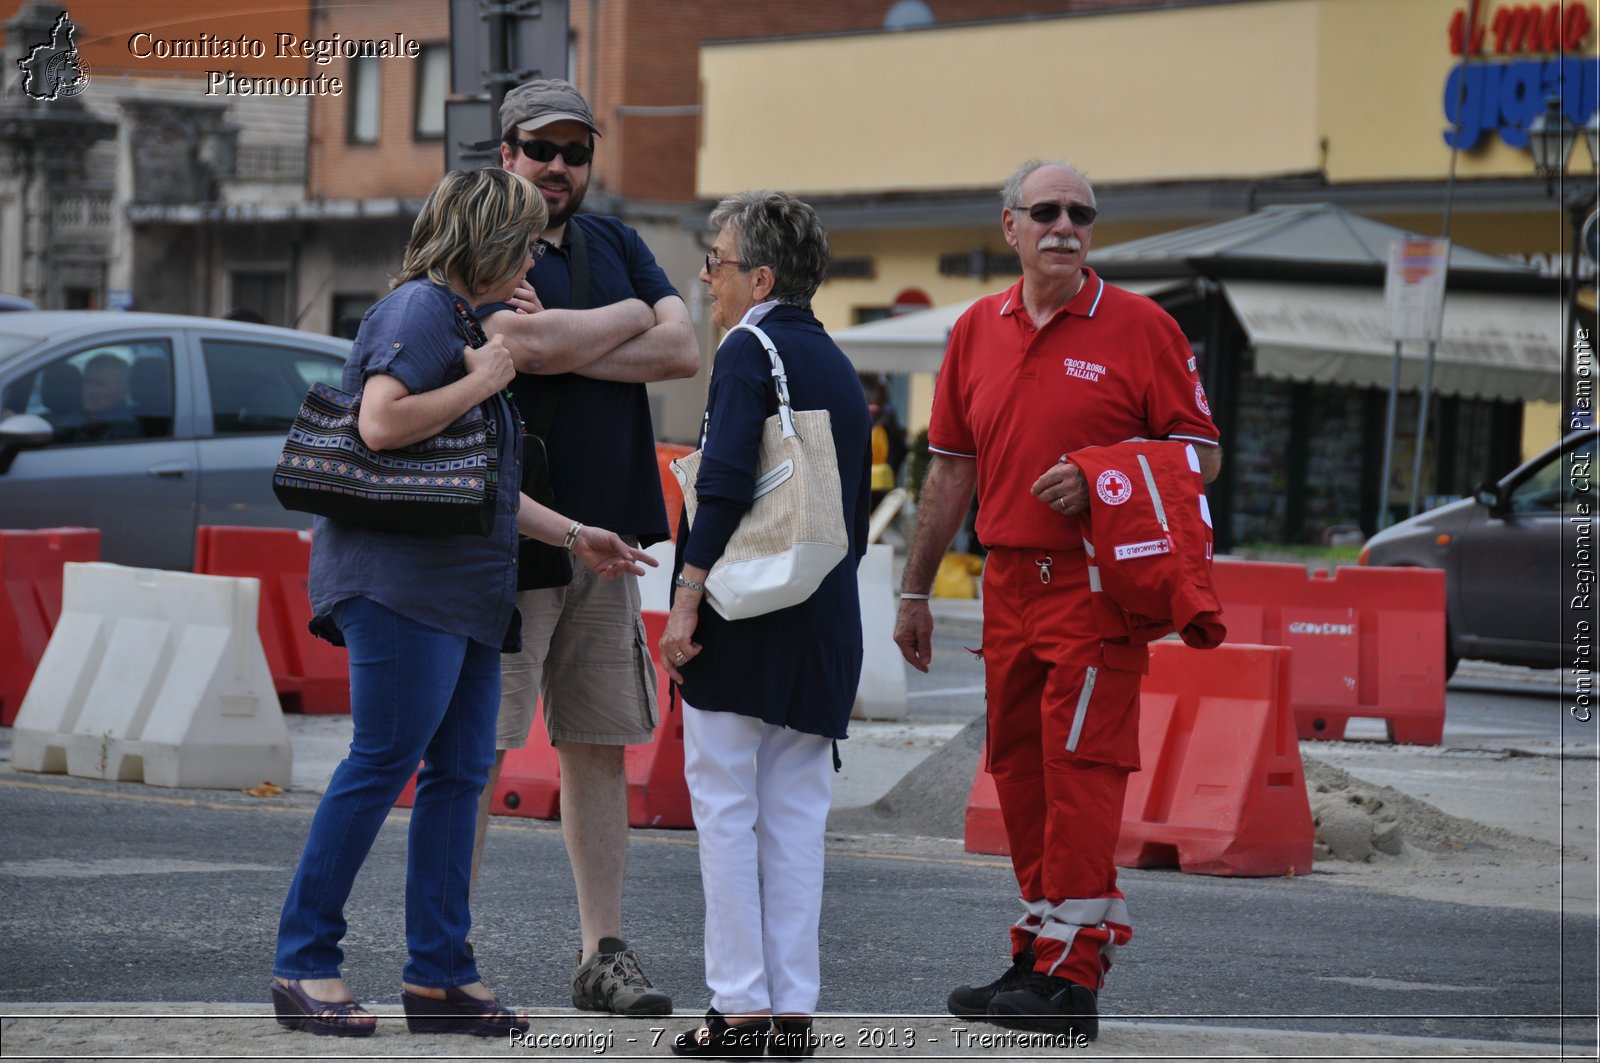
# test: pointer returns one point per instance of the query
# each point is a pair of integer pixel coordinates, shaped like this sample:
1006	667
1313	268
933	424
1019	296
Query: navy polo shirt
601	444
461	584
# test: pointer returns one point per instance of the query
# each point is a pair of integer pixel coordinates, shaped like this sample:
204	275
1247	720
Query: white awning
915	342
1492	346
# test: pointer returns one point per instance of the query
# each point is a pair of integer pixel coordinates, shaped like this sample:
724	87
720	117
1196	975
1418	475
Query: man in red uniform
1058	362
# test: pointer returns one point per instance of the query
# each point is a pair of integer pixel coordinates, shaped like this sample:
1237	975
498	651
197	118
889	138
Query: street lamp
1550	138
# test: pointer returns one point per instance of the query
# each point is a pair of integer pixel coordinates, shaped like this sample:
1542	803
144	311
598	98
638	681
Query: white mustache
1062	243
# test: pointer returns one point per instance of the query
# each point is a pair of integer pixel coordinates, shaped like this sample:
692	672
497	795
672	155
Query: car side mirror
19	432
1488	495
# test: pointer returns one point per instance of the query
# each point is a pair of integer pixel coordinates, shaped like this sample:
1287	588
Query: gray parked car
148	425
1518	557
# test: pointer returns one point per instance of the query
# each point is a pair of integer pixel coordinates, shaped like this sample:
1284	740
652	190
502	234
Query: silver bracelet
572	535
688	584
908	596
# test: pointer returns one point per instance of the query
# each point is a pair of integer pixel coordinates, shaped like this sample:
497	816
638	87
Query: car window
109	393
257	387
1555	487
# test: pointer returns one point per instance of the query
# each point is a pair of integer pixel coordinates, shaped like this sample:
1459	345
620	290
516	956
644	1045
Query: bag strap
469	325
579	257
550	388
780	378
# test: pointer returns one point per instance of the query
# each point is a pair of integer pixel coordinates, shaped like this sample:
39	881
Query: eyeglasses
545	150
713	263
537	247
1079	214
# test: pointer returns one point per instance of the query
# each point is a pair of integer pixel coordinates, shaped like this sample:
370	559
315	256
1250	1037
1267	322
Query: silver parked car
147	425
1518	557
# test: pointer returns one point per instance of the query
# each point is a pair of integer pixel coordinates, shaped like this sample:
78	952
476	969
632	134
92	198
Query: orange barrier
658	795
671	493
985	830
1367	642
30	573
1222	790
310	675
530	778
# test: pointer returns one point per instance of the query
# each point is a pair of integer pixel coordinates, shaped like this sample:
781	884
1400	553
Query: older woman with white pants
765	698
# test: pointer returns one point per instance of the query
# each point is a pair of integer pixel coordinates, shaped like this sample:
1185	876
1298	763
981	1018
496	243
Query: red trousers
1063	736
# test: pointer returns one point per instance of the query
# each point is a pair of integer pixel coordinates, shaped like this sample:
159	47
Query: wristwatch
680	580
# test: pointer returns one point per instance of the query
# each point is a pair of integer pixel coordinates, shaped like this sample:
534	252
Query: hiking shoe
971	1002
1046	1004
612	981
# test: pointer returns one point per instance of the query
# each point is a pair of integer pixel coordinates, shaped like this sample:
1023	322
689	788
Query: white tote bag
793	534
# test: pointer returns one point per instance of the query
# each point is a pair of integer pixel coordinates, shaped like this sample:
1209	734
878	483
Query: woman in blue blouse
425	618
764	699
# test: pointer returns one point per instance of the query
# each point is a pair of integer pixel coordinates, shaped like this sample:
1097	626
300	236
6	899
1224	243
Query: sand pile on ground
1366	834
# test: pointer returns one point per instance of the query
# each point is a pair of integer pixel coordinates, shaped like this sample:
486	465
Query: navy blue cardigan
797	667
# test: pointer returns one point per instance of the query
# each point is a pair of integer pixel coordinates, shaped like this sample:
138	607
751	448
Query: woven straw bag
794	533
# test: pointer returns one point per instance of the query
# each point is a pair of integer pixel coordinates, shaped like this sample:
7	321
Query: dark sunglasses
545	150
1079	214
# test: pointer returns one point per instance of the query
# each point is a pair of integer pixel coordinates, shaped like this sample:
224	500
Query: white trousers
760	795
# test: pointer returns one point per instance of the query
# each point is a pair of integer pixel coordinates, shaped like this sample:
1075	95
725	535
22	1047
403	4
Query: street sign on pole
1413	290
467	124
496	45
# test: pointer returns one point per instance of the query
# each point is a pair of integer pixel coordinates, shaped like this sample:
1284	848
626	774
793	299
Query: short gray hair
1011	191
776	230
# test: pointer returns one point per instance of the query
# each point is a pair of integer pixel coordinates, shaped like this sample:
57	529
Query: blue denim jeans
416	694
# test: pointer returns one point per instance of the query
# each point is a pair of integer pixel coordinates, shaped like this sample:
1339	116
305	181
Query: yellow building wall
1381	69
1137	96
1352	88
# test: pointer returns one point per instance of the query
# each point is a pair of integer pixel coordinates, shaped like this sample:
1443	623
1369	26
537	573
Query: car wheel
1451	657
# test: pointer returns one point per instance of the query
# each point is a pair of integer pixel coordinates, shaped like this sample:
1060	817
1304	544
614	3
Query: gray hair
1011	191
776	230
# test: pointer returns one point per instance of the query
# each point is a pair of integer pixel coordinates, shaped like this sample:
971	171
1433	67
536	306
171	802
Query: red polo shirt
1109	366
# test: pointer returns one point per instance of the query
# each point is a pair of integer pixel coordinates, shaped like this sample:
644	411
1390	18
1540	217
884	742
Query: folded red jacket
1149	543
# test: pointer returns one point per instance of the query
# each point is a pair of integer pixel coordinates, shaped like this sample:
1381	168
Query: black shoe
791	1039
1045	1004
973	1002
719	1039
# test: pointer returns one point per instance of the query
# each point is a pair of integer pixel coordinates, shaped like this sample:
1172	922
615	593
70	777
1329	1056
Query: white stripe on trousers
760	795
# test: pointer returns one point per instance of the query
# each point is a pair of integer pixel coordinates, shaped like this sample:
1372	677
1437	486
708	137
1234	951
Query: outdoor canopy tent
915	342
1306	283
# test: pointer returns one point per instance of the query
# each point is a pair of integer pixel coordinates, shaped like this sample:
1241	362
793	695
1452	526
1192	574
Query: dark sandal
298	1010
460	1012
791	1039
720	1039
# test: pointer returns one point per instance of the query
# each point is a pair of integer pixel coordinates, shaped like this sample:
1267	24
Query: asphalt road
127	893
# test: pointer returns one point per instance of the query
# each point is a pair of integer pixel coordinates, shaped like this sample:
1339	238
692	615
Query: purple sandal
460	1012
298	1010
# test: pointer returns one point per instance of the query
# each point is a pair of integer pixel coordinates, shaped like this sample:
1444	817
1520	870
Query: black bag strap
550	388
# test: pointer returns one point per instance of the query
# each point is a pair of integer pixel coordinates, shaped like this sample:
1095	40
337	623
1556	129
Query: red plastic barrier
1222	790
658	795
1367	642
671	493
985	830
30	573
311	675
530	778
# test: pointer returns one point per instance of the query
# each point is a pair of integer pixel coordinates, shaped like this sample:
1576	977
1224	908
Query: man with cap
584	652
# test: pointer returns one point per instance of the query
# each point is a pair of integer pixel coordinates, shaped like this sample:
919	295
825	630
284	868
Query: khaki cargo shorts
584	653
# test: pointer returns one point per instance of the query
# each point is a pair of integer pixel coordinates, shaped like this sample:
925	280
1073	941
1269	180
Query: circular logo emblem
1113	487
1200	398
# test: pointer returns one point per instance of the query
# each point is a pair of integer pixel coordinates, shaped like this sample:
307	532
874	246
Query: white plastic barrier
882	694
157	677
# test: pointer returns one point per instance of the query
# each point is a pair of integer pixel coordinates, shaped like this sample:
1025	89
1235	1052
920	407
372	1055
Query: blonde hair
474	230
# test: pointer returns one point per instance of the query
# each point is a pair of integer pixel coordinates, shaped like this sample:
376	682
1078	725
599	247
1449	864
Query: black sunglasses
1079	214
545	150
